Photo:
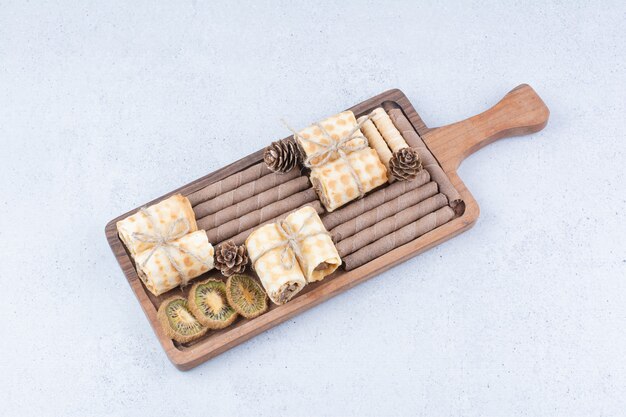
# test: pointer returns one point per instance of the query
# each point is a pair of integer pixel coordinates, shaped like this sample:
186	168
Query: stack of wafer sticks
231	208
364	229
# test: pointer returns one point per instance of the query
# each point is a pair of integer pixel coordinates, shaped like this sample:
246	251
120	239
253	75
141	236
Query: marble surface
106	105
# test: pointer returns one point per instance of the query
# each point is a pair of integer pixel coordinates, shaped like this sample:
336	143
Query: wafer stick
255	202
428	160
391	224
229	183
382	212
240	238
387	130
243	192
376	141
375	199
247	221
398	238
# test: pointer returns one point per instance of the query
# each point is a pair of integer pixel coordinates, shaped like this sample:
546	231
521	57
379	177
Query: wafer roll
382	212
391	224
428	160
240	238
281	279
172	216
387	130
192	253
398	238
318	256
255	202
229	183
247	221
337	185
243	192
337	126
376	141
375	199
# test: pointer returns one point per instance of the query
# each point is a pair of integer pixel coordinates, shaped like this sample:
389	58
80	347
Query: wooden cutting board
520	112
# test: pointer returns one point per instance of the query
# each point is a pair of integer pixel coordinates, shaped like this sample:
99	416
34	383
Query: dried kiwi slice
246	296
177	320
208	302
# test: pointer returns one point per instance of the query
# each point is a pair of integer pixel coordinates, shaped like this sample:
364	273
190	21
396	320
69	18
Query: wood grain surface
520	112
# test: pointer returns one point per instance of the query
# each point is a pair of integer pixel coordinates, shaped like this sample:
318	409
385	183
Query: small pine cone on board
405	164
282	156
230	259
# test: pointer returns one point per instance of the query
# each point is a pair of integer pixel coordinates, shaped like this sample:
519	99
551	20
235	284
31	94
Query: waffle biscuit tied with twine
290	253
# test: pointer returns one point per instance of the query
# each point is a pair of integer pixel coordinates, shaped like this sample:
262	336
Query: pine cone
405	164
282	156
231	259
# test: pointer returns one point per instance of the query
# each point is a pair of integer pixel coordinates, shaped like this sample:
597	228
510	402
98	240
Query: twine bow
291	240
335	146
166	241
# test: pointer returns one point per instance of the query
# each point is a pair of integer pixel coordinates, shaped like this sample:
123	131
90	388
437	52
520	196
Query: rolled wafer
247	221
339	182
391	224
337	126
172	216
281	280
375	199
376	141
428	160
255	202
398	238
318	256
243	192
390	208
229	183
240	238
192	253
387	130
290	253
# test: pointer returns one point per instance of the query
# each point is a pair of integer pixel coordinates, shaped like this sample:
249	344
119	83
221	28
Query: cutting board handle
520	112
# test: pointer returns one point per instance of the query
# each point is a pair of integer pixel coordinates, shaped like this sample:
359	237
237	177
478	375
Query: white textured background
106	105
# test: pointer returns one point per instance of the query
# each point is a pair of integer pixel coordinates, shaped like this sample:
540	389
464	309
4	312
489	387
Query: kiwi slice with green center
208	302
178	322
246	296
